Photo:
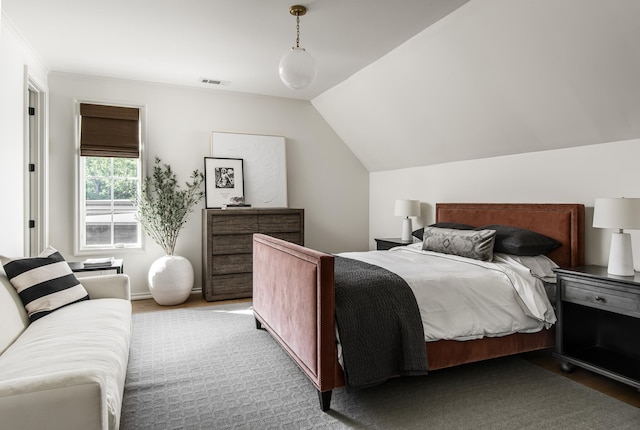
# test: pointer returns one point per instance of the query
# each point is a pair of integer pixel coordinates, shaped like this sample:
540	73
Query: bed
294	292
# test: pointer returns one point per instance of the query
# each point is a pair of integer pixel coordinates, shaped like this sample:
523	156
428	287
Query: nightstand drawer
601	298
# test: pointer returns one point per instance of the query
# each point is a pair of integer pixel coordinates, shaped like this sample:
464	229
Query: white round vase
170	280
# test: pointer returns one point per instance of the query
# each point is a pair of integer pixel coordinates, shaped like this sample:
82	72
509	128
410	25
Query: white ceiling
404	83
238	41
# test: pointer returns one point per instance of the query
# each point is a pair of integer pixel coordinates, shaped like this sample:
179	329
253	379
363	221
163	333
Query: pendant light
297	67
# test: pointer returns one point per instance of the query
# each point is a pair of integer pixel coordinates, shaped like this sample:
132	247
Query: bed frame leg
325	400
258	324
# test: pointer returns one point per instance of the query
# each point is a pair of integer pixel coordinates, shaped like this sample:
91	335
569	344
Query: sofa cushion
44	283
13	316
88	337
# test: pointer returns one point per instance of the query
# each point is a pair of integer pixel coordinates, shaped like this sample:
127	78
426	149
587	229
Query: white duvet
461	298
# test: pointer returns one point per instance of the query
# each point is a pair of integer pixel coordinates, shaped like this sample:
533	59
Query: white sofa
65	370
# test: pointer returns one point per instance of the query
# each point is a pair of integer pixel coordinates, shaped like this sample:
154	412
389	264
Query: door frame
36	151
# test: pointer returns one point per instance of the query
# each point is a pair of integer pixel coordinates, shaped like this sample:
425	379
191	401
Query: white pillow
540	266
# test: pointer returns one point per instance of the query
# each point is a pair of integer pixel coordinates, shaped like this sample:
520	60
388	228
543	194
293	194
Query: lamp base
620	255
406	229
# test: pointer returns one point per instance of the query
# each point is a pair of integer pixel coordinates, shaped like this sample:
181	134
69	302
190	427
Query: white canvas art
265	165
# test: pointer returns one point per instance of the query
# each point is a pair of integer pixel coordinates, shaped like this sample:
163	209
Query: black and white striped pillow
44	283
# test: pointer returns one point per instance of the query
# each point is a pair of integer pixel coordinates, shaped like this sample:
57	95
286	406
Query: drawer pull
600	299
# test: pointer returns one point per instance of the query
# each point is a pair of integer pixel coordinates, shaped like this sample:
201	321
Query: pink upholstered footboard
293	299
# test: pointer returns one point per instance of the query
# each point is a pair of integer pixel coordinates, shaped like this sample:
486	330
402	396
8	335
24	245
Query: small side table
78	266
391	242
598	322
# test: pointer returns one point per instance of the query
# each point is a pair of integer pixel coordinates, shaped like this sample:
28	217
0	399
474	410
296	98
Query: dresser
227	246
598	325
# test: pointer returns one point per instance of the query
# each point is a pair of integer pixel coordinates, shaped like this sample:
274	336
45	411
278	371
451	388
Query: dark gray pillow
418	234
476	244
520	241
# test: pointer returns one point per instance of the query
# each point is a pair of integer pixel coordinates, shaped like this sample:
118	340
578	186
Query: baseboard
140	296
147	295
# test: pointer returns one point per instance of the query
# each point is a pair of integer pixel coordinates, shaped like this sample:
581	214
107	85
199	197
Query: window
109	177
109	213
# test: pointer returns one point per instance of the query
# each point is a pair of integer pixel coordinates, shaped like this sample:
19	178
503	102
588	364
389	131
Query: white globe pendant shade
297	68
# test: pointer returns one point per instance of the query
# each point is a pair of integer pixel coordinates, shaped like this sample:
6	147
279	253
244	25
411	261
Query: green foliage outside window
104	172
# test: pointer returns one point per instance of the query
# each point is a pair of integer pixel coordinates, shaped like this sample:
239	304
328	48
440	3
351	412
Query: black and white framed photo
224	182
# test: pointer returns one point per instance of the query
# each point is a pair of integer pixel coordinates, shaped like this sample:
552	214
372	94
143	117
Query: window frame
80	214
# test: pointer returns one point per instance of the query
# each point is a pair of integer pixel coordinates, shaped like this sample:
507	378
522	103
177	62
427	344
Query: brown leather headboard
563	222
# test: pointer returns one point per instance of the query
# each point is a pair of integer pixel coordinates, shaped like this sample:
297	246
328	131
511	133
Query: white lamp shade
297	68
407	208
619	213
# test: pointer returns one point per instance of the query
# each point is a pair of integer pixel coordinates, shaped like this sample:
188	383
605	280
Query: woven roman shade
109	131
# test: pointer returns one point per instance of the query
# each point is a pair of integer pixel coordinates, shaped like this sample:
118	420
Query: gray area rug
209	368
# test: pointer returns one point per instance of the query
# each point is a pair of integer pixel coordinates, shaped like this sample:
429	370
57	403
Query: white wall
324	177
496	77
15	55
573	175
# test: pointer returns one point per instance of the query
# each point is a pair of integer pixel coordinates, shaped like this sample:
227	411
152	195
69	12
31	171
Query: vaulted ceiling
404	83
496	77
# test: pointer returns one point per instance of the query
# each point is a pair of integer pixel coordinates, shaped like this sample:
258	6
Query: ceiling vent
214	81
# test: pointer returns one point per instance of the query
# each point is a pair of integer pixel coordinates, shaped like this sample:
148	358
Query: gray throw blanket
379	324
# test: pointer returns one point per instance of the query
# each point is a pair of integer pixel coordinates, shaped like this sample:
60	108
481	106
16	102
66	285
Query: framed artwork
224	182
265	165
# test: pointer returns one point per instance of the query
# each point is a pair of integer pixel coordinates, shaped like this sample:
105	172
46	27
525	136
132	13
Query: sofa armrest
107	286
67	400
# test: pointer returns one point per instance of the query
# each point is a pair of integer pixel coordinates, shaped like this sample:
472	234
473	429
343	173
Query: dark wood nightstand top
600	273
390	242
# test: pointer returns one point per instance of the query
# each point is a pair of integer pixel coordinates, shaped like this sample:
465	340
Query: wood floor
543	359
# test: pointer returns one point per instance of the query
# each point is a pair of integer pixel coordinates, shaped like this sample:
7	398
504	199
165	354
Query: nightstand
391	242
598	325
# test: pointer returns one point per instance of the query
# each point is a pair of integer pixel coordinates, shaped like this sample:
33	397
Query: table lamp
618	213
407	209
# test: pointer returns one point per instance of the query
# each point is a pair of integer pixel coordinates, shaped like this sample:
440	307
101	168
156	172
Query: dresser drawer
233	223
224	287
273	223
289	237
231	244
231	263
601	298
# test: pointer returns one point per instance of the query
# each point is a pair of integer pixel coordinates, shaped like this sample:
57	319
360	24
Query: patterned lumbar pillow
465	243
44	283
419	234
